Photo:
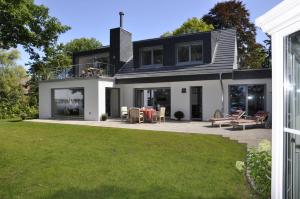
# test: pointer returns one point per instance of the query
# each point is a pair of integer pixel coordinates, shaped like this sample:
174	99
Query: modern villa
195	73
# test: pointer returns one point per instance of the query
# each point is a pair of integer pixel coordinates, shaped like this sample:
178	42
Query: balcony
87	70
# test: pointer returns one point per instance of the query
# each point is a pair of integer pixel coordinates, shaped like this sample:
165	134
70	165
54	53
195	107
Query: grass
63	161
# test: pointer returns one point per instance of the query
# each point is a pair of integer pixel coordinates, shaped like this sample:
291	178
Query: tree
268	51
233	14
81	44
190	26
12	85
24	23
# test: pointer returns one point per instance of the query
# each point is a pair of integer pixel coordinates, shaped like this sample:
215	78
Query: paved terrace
251	136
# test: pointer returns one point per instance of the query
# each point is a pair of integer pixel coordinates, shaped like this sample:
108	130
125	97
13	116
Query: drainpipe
222	90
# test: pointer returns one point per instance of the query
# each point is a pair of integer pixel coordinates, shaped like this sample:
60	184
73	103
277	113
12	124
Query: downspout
222	90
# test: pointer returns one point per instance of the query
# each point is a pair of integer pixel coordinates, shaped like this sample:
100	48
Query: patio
251	136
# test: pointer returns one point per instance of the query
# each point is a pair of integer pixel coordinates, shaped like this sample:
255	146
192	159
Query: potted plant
104	117
179	115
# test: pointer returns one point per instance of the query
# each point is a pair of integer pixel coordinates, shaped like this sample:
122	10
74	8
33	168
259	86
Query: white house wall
211	95
94	96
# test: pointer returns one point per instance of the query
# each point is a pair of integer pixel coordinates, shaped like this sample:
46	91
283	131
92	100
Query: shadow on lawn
113	192
15	120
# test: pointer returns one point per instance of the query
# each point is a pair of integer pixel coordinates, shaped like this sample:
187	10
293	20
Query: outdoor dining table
149	114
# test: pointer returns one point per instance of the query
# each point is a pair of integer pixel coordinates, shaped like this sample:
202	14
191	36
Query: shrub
240	166
104	117
23	116
179	115
258	167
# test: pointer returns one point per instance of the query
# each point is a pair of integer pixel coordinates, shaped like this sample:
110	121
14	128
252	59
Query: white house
283	24
193	73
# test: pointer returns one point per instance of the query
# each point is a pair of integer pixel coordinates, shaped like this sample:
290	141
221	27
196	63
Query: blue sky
143	18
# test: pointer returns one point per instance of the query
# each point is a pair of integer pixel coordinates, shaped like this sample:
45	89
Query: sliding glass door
292	117
154	98
249	98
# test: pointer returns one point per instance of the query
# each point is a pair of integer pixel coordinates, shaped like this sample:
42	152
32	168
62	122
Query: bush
258	167
179	115
31	112
104	117
23	116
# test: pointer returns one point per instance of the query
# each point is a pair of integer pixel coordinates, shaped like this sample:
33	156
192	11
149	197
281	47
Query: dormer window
152	56
189	53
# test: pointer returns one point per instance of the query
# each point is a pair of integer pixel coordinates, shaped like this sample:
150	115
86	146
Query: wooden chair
136	115
124	112
161	114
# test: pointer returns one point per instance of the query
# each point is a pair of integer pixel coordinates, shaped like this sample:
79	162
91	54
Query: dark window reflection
237	98
256	99
68	102
249	98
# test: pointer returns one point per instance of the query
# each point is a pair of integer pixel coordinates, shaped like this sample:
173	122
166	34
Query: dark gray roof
223	61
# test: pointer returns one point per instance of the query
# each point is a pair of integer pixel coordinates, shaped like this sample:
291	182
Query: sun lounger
227	119
258	119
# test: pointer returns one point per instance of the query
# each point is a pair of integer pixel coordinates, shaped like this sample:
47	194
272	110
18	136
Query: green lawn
49	161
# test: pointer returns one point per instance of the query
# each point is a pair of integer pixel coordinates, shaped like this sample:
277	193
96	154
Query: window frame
152	49
289	177
52	96
189	44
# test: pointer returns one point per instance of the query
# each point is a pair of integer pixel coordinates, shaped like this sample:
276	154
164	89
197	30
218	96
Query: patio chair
136	115
226	120
161	114
124	112
259	118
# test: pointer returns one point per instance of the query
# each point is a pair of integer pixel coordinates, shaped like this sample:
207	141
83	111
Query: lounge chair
124	112
161	114
258	119
227	119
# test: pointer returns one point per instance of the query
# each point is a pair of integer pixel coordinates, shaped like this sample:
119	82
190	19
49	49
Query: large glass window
292	116
190	53
249	98
154	97
68	103
151	56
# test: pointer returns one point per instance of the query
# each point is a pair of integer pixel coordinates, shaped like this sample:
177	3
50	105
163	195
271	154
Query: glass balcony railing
87	70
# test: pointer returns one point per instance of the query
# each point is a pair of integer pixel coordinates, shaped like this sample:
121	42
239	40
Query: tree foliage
233	14
82	44
13	98
27	24
8	58
192	25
